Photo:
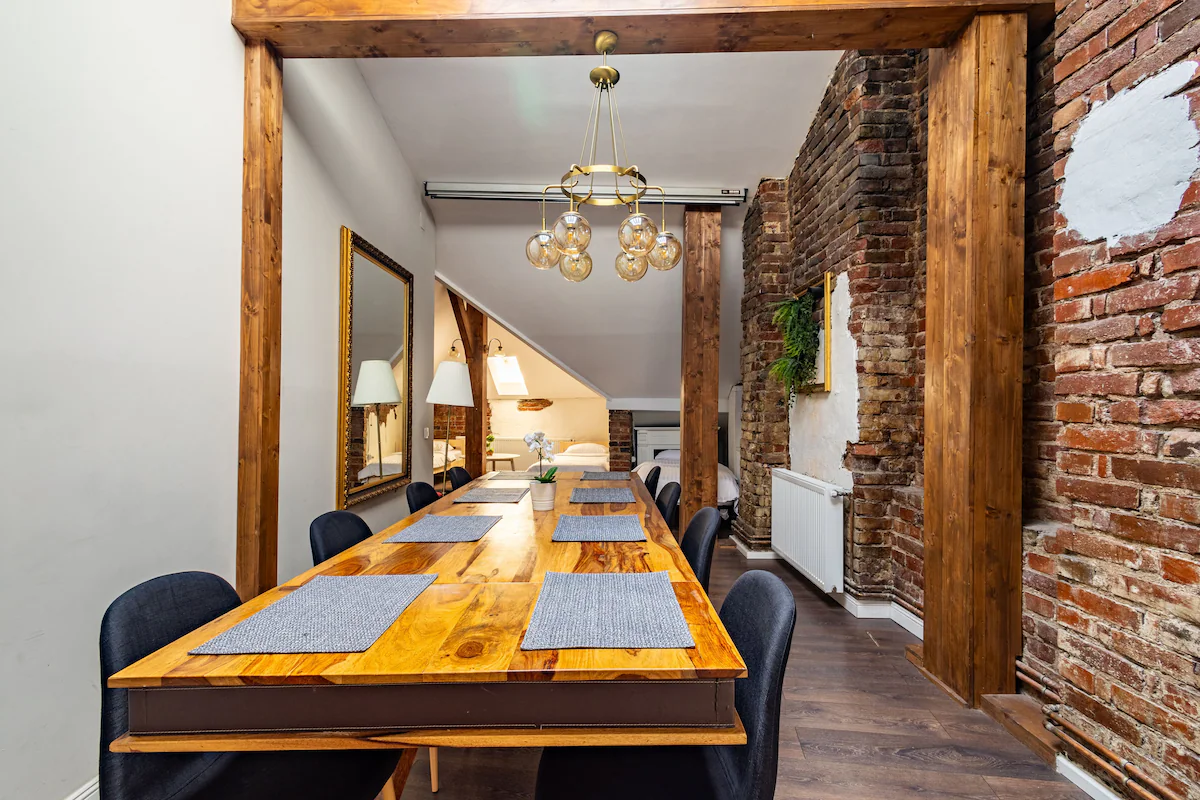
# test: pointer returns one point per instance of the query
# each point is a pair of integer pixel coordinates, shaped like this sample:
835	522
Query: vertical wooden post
700	392
262	245
472	328
973	358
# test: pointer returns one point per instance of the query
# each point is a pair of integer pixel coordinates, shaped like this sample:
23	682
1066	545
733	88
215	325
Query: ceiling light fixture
643	244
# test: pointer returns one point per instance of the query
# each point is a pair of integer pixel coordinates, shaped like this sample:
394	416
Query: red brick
1073	360
1096	280
1169	412
1093	384
1156	532
1177	570
1074	412
1073	310
1082	677
1186	509
1109	440
1181	317
1076	463
1125	411
1180	258
1158	353
1152	295
1101	493
1079	57
1158	473
1100	330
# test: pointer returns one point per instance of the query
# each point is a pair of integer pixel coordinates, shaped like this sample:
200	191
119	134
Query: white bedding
393	464
567	462
439	455
727	485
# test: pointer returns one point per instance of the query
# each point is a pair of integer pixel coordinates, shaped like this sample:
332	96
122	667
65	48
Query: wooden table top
468	626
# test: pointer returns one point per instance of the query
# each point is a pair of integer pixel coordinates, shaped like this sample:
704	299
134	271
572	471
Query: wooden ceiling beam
446	28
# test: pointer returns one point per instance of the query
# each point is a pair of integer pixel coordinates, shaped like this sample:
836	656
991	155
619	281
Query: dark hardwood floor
859	723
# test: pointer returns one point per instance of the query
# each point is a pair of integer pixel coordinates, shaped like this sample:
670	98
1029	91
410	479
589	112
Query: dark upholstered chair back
459	477
760	614
668	504
333	532
652	481
699	540
145	618
420	495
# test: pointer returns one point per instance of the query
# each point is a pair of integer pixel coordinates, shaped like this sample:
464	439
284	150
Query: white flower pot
542	495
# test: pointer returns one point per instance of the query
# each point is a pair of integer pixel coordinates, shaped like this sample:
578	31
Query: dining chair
156	613
652	481
333	532
668	503
419	495
459	477
699	540
760	615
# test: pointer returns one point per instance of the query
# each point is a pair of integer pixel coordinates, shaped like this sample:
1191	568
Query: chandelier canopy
643	244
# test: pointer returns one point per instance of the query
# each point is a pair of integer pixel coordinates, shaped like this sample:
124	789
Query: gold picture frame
349	490
824	379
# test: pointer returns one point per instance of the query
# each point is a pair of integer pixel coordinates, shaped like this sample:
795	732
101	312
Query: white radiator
807	528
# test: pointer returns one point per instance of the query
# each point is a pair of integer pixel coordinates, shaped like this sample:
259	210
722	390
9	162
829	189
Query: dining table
450	670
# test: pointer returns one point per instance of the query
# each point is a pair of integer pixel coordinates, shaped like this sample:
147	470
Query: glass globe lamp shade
631	268
575	266
572	233
666	251
541	250
636	234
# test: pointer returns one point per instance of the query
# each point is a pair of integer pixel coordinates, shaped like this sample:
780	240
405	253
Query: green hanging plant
798	366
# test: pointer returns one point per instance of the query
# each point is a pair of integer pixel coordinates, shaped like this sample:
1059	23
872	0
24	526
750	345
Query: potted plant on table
543	486
491	443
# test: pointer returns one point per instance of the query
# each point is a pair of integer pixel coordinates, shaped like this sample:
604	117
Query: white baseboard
89	791
1090	785
753	555
882	609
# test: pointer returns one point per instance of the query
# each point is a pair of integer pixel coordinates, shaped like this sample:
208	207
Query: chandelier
643	244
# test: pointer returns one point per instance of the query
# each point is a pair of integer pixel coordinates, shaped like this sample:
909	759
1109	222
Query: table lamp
376	386
451	387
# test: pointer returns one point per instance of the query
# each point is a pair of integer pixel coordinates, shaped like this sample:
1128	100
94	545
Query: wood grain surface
469	624
699	391
425	28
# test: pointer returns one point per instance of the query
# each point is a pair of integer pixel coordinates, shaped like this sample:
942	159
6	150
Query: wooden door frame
417	28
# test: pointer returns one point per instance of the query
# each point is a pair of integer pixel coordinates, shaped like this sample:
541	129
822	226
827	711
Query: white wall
822	423
341	167
120	238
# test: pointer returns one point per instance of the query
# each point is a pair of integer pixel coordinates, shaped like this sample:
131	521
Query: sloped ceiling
691	120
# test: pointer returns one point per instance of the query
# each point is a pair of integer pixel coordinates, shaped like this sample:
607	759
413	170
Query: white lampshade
506	374
376	384
451	385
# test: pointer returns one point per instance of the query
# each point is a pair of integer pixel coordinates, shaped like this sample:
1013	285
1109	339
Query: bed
579	457
668	462
393	464
439	454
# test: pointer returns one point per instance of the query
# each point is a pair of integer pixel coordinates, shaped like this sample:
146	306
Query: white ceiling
707	119
691	120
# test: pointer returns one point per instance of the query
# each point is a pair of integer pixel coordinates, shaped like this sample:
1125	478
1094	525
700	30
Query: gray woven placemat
582	495
492	496
329	614
510	476
607	610
445	529
613	528
605	476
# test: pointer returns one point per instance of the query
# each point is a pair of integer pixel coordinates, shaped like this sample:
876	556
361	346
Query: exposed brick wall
764	402
1127	401
458	421
620	440
852	205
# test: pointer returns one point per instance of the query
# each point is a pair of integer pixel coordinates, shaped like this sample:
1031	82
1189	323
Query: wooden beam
418	28
472	328
262	244
973	356
700	393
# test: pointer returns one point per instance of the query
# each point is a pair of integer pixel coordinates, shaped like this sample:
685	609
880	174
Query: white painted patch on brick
820	423
1132	159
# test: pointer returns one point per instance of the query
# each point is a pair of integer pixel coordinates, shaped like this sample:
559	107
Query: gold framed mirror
375	373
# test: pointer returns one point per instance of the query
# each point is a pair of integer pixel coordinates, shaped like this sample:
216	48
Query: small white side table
511	458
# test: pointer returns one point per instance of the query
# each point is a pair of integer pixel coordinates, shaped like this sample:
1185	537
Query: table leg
433	768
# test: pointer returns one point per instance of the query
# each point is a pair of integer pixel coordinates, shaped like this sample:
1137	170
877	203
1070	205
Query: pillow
667	456
586	449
